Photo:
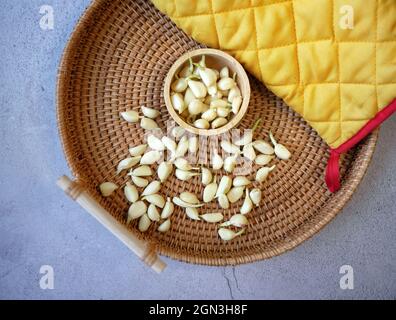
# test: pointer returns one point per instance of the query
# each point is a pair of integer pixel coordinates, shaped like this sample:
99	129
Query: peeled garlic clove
139	182
219	122
245	139
234	92
155	199
164	170
224	72
192	213
219	103
150	157
196	107
155	143
217	161
169	144
189	197
240	181
247	204
185	175
179	202
236	104
148	124
143	171
201	124
226	83
230	163
235	194
164	226
223	201
198	88
150	112
263	147
212	90
229	147
209	192
212	217
168	209
182	147
131	192
248	152
193	144
238	220
152	188
188	97
144	223
179	85
185	72
107	188
182	164
206	176
255	196
130	116
263	172
208	76
177	132
263	159
127	163
178	102
138	150
224	185
153	213
280	150
227	234
209	115
223	112
136	210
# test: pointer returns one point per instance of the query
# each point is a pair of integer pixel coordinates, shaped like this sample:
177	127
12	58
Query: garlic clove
248	152
208	76
201	124
139	182
178	102
224	185
223	201
209	192
255	196
217	161
185	175
164	226
226	83
230	163
153	213
179	85
263	159
142	171
241	181
229	147
263	147
236	104
234	92
247	205
245	139
189	197
227	234
138	150
168	209
179	202
185	72
130	116
263	173
219	103
164	170
196	107
182	147
155	199
224	72
212	217
218	122
237	220
150	157
169	144
107	188
192	213
144	223
280	150
127	163
150	112
155	143
148	124
177	132
131	192
188	97
223	112
206	176
212	90
193	144
209	115
152	188
235	194
136	210
198	88
182	164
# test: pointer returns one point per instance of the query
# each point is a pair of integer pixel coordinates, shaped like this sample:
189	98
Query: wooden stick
145	251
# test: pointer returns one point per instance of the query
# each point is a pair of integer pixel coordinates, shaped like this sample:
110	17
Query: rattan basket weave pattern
117	59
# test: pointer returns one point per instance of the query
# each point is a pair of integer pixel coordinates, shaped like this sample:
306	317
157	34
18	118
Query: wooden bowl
214	59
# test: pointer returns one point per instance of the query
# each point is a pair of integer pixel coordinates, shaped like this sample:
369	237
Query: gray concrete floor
40	226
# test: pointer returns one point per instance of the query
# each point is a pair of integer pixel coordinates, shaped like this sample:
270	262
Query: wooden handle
145	251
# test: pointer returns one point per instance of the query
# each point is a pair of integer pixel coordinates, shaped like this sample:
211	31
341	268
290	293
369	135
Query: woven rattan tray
117	59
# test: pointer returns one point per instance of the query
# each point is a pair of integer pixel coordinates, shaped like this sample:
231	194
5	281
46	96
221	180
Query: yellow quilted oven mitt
332	61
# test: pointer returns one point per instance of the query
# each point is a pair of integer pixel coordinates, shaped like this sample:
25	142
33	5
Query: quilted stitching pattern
336	79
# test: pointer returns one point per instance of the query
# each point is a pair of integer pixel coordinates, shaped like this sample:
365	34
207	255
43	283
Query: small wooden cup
214	59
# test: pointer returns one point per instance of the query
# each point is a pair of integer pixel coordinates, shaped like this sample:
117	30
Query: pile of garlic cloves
149	166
